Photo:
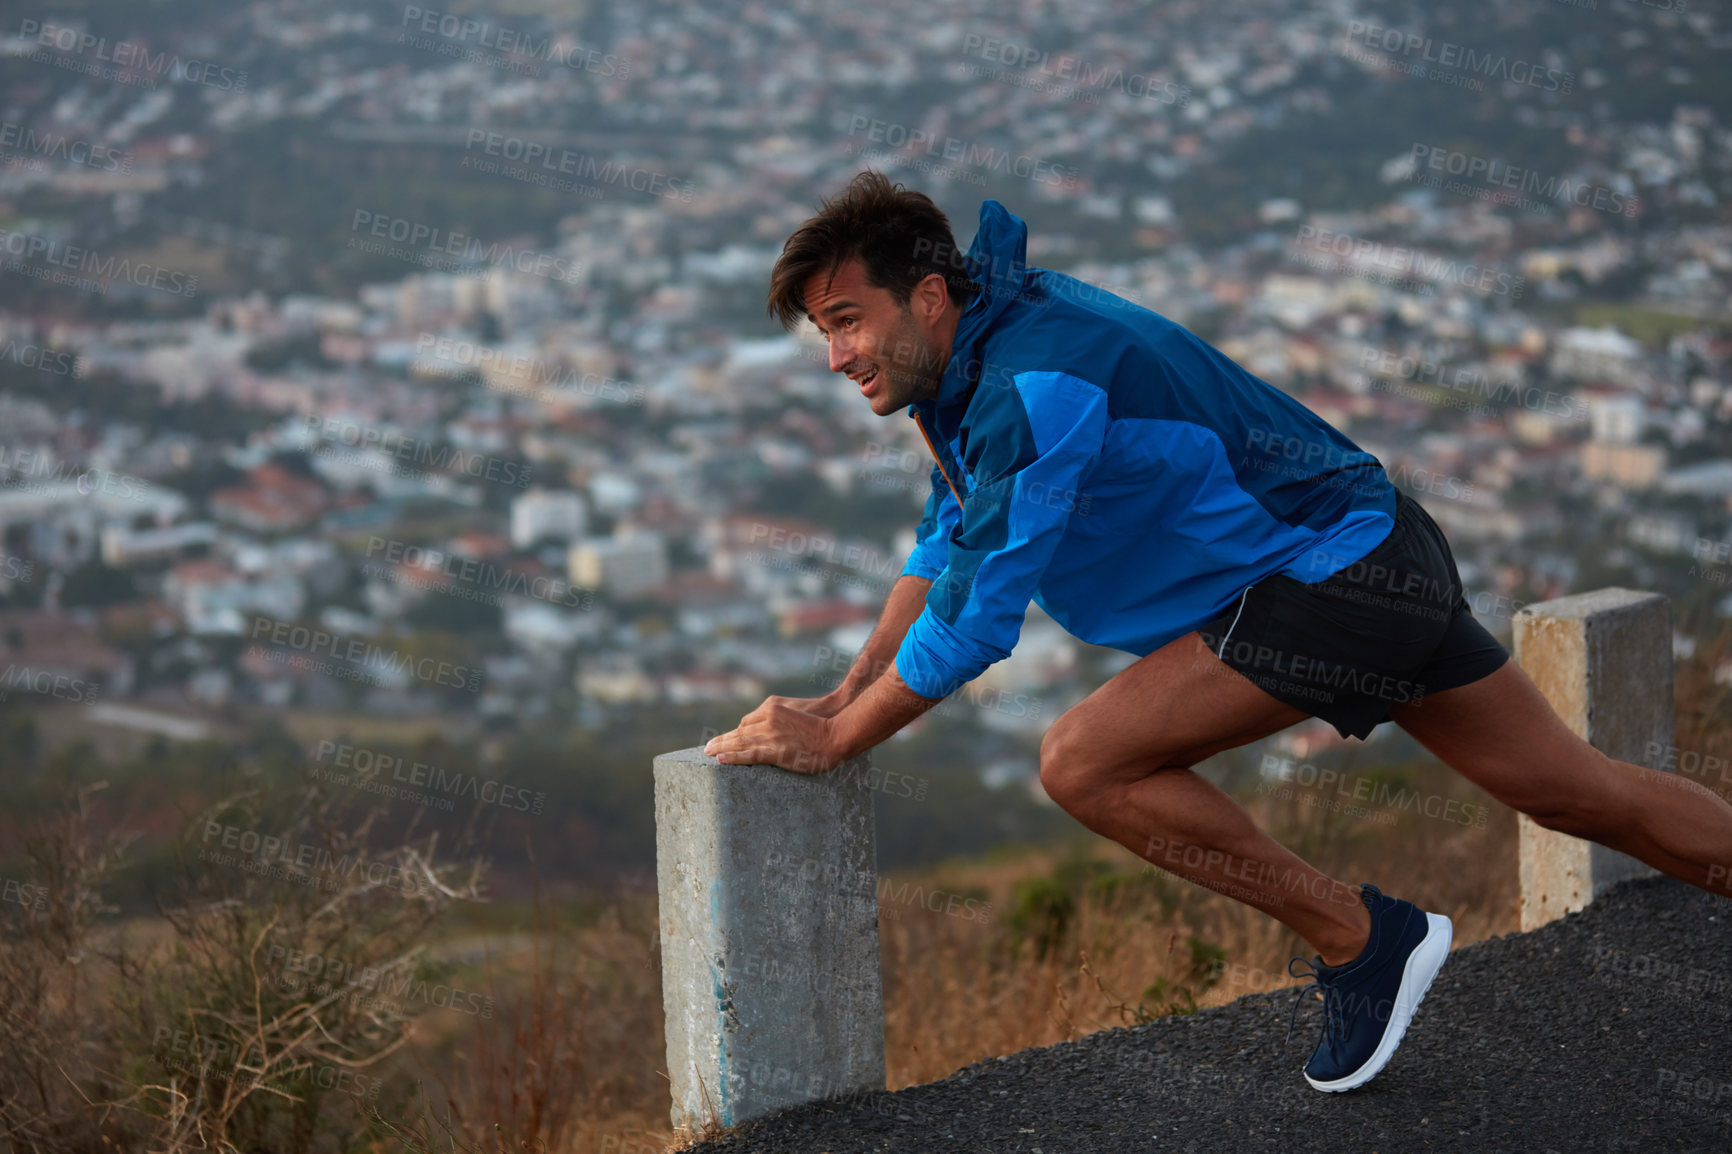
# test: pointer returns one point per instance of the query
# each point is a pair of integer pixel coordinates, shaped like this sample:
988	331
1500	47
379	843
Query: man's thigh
1502	734
1175	707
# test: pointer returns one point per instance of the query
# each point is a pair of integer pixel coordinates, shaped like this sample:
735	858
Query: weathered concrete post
768	882
1604	661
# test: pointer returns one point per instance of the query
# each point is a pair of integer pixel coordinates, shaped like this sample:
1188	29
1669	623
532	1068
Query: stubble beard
918	380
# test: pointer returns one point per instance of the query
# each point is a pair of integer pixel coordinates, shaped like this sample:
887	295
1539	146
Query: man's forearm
884	708
878	656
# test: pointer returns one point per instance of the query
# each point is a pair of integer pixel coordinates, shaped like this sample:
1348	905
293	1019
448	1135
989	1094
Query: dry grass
1702	707
957	992
1078	940
572	1061
959	989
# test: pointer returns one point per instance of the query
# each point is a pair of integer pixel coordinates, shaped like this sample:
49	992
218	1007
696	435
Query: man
1152	496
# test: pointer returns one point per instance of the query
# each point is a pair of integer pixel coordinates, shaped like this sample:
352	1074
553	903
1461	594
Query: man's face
896	353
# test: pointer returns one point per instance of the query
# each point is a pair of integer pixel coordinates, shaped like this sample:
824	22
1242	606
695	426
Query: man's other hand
781	734
828	705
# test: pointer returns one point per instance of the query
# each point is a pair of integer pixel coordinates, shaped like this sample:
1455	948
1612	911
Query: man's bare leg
1119	762
1501	734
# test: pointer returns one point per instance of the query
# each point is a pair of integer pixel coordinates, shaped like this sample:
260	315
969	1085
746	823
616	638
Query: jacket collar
997	261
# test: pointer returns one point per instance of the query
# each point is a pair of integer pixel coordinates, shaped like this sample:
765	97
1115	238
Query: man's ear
931	297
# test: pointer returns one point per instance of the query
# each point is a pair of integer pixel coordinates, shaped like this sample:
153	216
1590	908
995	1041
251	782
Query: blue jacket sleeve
932	540
1031	448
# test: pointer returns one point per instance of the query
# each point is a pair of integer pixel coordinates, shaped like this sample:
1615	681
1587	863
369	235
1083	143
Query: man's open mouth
868	383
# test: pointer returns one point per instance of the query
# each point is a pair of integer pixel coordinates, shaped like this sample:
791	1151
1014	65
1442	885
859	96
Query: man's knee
1063	778
1069	777
1077	777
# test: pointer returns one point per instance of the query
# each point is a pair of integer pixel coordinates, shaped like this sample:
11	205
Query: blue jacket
1111	466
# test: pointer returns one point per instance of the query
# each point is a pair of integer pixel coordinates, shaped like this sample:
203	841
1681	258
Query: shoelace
1334	1015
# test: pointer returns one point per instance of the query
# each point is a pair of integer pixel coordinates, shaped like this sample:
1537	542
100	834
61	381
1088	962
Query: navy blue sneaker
1368	1002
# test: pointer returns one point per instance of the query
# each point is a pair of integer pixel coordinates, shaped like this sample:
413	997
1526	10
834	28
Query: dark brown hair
899	234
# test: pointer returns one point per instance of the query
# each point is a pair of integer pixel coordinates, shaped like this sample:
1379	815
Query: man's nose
841	354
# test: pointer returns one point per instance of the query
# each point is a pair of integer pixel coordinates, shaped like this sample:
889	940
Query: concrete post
768	883
1604	661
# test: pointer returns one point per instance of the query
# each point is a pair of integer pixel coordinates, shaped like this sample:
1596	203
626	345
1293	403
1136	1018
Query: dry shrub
241	1040
59	1055
572	1063
209	1039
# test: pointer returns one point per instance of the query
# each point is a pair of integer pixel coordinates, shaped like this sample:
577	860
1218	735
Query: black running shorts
1380	631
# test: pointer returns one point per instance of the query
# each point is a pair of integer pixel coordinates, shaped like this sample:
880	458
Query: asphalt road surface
1610	1030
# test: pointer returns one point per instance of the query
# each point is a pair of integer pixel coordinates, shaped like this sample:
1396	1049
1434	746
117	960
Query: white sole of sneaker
1422	966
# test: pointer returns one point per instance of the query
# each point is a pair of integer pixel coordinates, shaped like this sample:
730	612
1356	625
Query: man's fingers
764	710
776	733
731	751
723	741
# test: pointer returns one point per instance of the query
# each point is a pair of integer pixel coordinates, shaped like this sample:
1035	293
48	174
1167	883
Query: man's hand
778	733
828	705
